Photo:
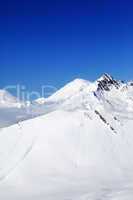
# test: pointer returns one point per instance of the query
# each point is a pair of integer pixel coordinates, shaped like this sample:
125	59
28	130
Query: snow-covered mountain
77	144
11	109
7	100
105	94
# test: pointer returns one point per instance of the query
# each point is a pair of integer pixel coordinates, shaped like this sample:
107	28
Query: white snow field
78	145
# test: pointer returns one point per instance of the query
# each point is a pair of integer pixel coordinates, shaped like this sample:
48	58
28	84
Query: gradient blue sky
55	41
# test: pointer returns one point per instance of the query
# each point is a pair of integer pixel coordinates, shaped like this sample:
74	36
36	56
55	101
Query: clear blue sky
55	41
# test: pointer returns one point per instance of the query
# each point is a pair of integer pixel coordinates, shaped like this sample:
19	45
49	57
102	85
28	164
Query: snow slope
80	148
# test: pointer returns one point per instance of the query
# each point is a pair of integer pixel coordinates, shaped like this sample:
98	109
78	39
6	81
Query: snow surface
76	145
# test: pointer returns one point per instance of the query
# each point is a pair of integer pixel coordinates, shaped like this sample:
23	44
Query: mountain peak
79	80
106	81
106	76
70	89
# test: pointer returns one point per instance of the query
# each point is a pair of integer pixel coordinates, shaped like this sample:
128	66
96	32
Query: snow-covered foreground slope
66	155
80	148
